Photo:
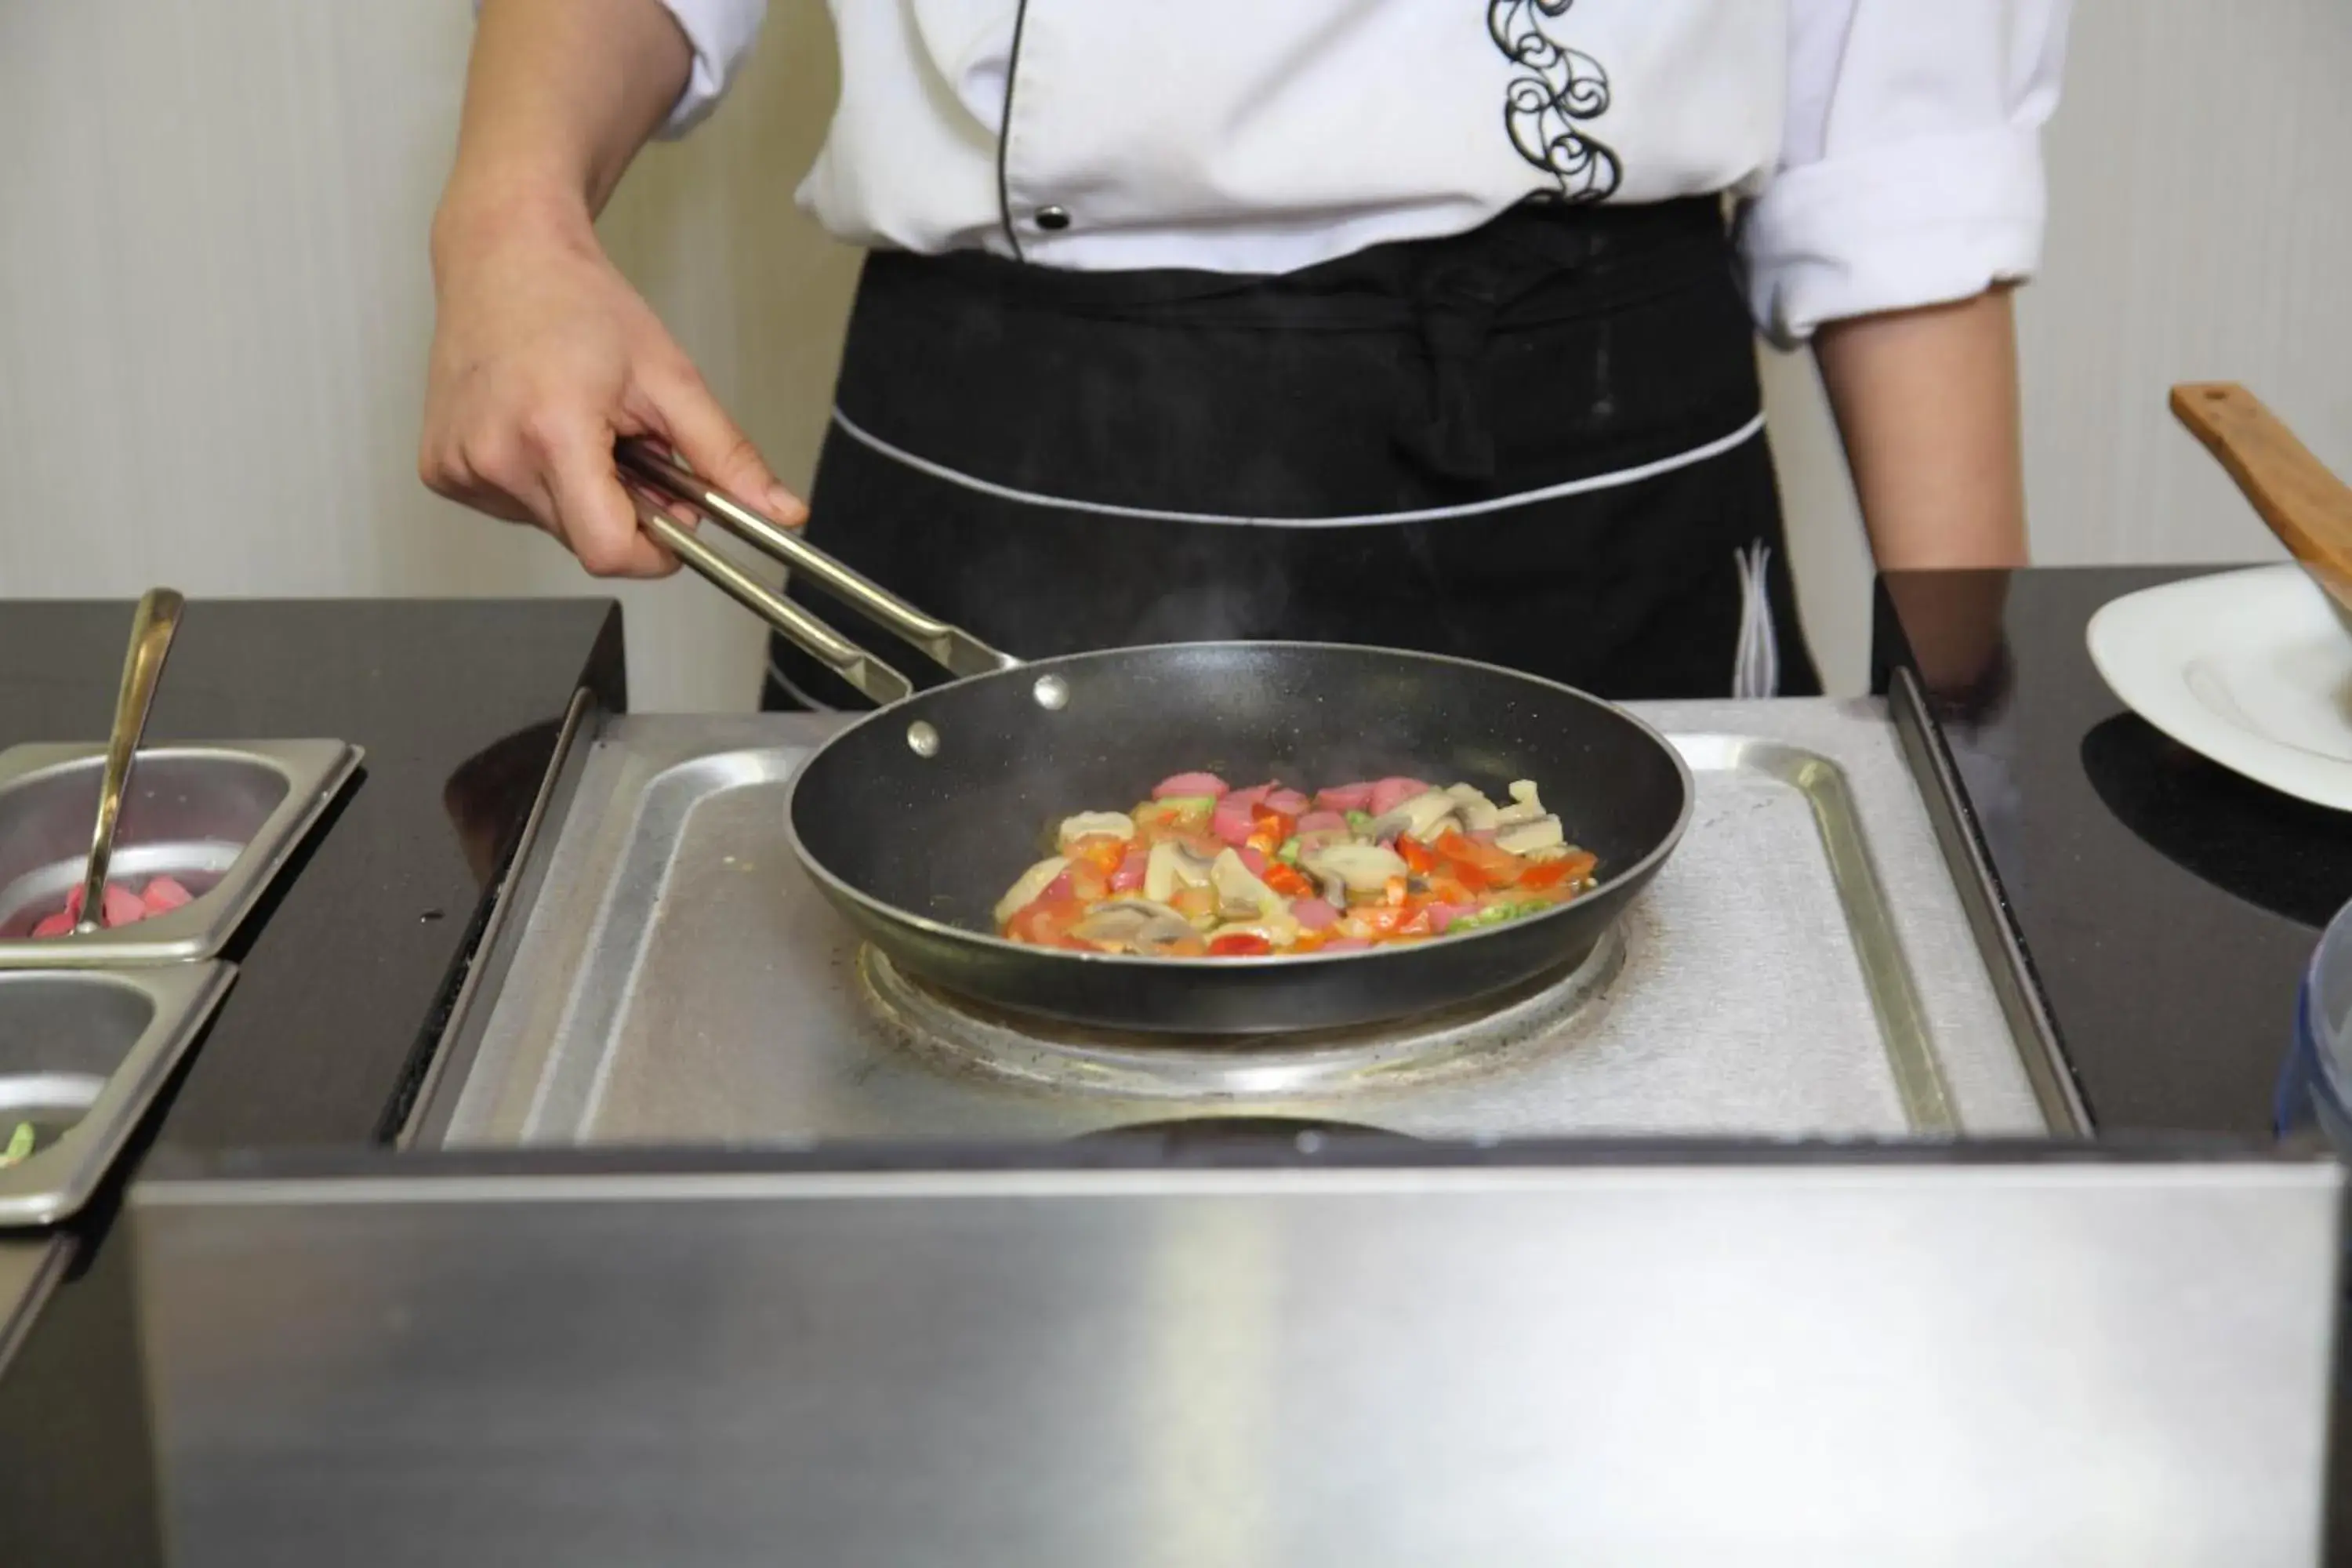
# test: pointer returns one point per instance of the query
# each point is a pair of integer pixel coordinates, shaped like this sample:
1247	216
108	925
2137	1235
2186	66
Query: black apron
1537	444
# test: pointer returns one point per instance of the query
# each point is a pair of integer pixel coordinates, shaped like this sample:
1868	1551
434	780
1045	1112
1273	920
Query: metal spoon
142	667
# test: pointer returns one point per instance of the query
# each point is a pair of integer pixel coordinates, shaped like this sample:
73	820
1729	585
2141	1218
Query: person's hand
542	357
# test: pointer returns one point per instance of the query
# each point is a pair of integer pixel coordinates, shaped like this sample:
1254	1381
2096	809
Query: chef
1421	322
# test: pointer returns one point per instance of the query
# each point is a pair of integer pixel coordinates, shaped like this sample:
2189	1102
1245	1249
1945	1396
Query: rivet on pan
1053	693
922	739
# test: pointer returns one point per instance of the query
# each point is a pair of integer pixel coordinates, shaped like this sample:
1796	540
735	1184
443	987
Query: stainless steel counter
30	1267
1802	967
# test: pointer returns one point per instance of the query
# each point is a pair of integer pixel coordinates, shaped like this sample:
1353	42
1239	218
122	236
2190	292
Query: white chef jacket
1886	152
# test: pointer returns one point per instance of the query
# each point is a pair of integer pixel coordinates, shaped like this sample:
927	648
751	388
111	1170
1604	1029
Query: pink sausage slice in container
122	907
1322	822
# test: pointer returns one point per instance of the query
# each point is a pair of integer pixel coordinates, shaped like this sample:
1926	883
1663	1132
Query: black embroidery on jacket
1557	93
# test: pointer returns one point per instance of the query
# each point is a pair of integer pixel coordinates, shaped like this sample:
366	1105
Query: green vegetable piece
20	1144
1359	820
1288	852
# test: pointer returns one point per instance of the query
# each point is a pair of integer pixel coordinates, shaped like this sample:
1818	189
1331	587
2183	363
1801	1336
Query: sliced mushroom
1424	816
1171	866
1328	885
1095	825
1240	894
1142	926
1033	882
1479	815
1361	867
1526	806
1528	838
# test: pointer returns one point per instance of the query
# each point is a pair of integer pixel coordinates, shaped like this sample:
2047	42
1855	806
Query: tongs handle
867	674
954	650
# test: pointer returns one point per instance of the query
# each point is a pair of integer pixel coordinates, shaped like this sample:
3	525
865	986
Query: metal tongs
655	482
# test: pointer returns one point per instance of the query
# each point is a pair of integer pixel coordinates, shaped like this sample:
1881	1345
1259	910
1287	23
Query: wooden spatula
2304	503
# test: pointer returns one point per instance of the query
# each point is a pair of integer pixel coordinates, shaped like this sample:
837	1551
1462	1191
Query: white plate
2248	669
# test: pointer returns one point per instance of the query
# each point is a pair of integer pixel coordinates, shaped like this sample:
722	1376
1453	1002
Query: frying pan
915	819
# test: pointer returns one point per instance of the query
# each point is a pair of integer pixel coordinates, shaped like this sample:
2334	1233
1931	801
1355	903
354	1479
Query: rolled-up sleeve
720	32
1910	170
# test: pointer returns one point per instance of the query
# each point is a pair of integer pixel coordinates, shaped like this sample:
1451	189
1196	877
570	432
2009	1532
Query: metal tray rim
505	1090
316	771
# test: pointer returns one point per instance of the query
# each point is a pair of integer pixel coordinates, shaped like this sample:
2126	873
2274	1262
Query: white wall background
215	303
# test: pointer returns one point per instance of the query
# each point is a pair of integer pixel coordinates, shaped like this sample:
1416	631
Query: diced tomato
1287	881
1128	877
164	894
1416	855
1378	920
1102	852
1184	785
1422	922
1166	819
1499	868
57	924
1445	889
1088	884
1396	892
1282	824
1239	945
1262	843
1554	873
1047	922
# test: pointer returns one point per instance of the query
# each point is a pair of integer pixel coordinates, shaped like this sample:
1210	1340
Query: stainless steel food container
221	819
82	1054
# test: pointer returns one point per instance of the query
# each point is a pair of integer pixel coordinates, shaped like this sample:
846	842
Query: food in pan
1203	871
123	906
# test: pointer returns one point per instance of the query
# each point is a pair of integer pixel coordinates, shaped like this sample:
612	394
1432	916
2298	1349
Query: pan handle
952	649
861	669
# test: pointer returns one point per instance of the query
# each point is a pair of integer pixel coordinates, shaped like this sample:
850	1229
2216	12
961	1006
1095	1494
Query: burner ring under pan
967	1039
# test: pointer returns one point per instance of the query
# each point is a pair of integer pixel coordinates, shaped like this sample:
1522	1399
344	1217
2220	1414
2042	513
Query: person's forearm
1926	402
559	96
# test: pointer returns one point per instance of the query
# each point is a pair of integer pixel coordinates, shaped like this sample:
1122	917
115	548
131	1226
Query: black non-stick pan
915	818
